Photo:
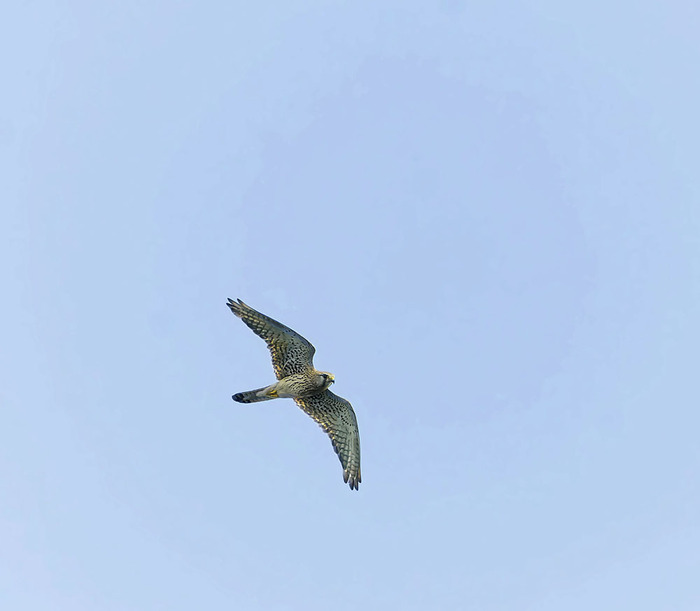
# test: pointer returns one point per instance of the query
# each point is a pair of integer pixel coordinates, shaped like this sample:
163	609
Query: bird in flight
297	378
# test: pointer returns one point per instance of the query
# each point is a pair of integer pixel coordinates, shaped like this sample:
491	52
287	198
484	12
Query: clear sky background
486	217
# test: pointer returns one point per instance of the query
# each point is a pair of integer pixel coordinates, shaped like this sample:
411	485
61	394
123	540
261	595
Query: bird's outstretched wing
291	353
336	416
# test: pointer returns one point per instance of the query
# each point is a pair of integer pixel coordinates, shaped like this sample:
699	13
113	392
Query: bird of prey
292	360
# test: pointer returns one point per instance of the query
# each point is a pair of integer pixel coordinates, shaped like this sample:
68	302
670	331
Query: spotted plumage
292	361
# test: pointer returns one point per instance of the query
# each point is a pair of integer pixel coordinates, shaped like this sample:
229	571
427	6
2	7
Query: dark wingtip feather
235	307
352	480
238	307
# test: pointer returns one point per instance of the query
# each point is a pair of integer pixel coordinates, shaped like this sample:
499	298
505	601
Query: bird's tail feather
252	396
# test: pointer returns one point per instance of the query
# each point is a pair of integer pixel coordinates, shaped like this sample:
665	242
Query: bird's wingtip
352	480
235	306
237	303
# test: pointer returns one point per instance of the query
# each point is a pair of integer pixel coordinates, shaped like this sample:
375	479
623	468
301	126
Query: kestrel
292	360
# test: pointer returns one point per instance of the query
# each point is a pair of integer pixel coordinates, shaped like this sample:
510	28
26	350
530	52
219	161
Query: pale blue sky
485	216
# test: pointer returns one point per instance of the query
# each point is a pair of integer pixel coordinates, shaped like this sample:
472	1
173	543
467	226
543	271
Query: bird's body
292	360
294	386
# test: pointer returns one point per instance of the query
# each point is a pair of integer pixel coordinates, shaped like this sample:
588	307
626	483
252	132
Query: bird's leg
269	392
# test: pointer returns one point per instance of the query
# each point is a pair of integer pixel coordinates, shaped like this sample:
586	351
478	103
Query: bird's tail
253	396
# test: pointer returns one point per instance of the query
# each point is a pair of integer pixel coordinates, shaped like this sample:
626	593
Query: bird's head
325	379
